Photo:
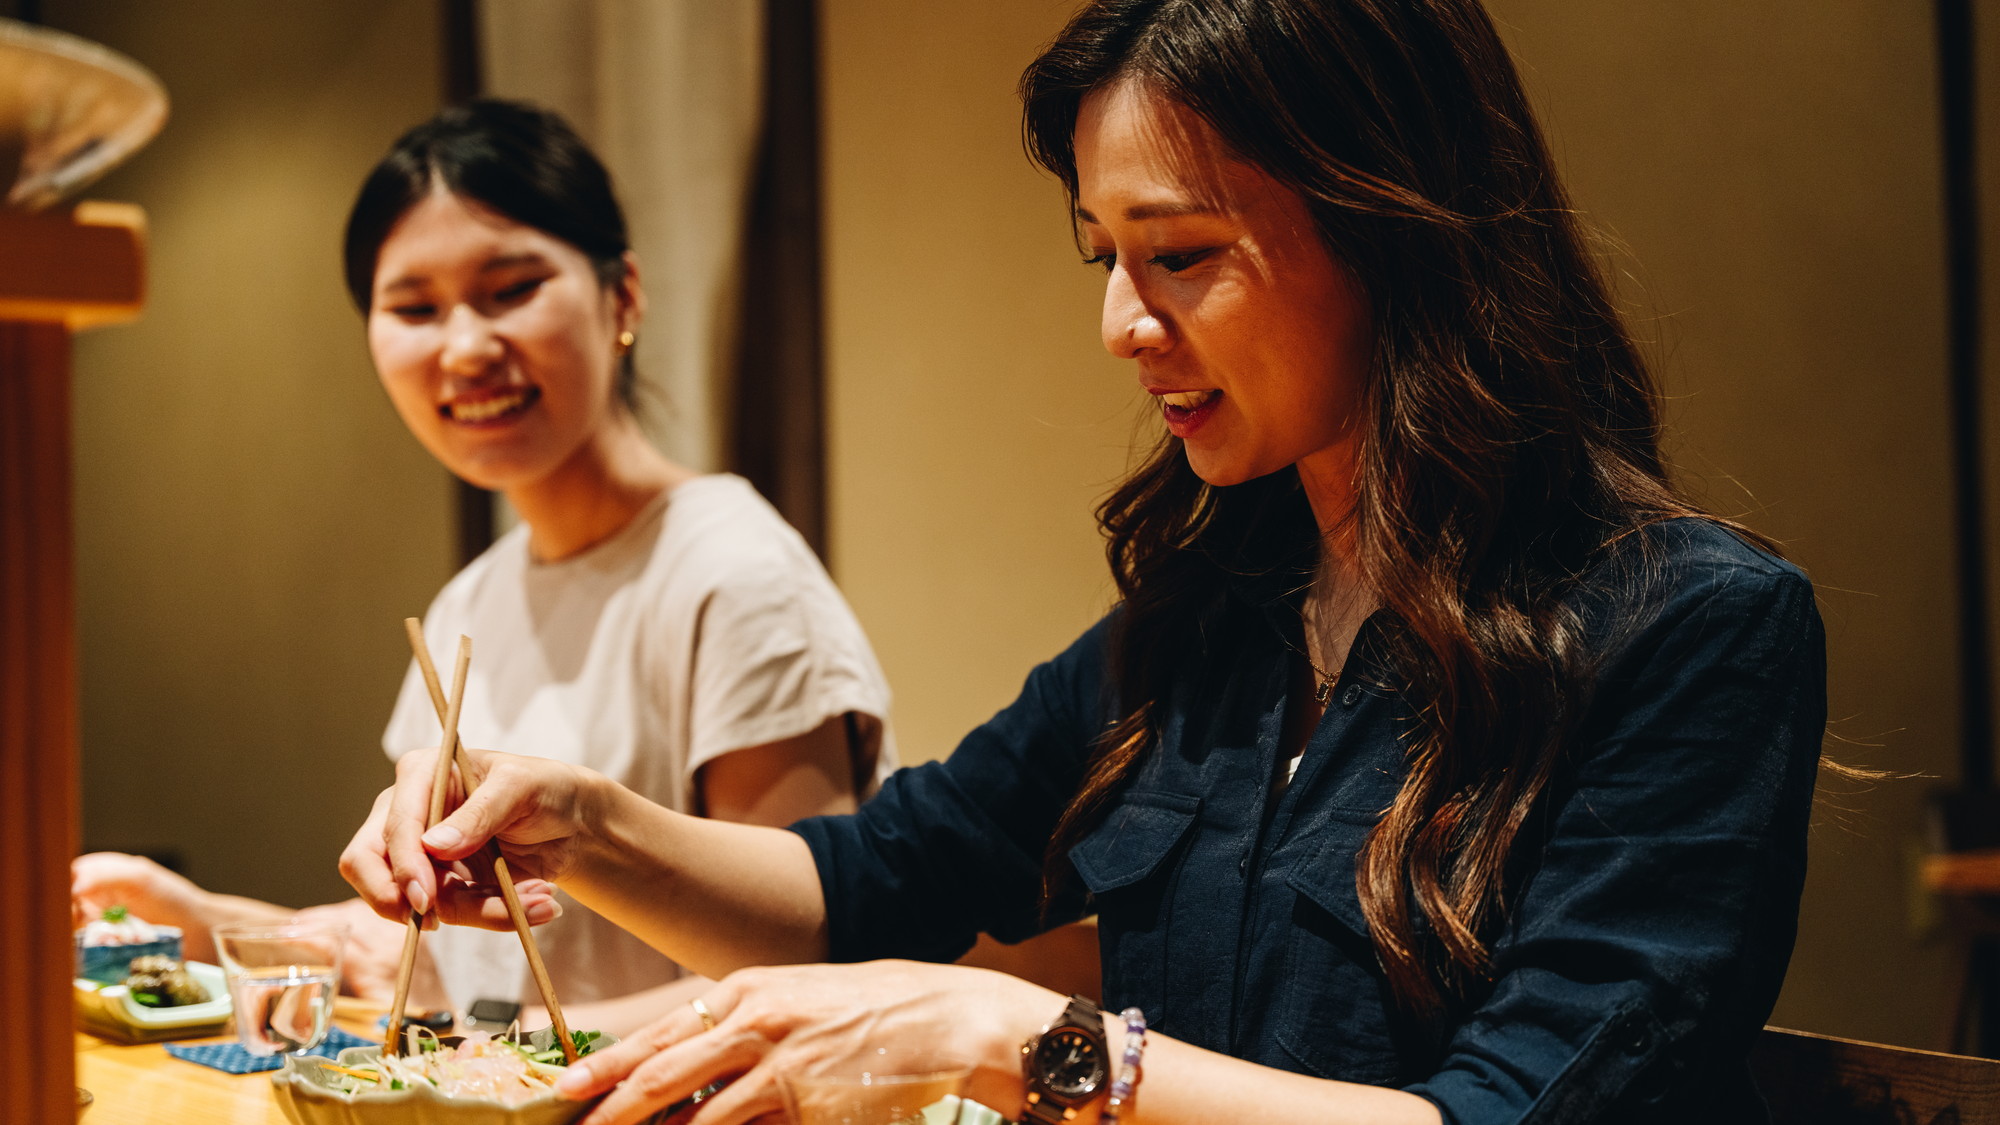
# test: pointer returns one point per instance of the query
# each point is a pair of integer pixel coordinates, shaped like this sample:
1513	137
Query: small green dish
109	1012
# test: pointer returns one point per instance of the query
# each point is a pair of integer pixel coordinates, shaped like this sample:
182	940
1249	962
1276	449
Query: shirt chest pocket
1125	864
1334	1012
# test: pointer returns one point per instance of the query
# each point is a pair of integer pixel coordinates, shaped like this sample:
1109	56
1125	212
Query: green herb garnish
148	999
115	914
553	1056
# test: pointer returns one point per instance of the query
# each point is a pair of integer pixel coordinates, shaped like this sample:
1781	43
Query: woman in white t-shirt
659	626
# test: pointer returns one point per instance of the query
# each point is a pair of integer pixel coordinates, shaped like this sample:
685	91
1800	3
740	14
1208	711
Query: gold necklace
1323	680
1322	683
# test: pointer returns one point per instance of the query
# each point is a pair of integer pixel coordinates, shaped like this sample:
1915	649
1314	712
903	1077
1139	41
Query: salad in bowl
476	1078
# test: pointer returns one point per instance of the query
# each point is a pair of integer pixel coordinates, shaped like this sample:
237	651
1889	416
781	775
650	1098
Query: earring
626	340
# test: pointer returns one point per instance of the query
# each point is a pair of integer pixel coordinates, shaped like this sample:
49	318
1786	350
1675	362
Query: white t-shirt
706	625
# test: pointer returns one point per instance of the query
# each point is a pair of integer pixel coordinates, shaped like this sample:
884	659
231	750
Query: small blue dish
111	964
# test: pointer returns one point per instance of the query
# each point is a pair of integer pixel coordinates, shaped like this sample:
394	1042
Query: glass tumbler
282	981
883	1088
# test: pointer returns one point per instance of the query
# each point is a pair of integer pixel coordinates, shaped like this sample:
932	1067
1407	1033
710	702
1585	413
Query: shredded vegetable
481	1066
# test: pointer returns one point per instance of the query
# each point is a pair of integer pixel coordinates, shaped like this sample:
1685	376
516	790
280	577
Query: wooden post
58	273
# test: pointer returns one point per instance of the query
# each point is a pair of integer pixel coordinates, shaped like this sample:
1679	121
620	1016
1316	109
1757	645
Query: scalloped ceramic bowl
70	110
310	1095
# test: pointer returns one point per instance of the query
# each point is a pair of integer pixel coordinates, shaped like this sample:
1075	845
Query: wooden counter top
144	1085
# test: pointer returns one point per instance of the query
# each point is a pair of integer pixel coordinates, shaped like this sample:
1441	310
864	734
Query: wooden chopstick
501	874
439	780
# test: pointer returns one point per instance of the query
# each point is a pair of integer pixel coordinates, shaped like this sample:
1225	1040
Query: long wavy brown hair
1512	431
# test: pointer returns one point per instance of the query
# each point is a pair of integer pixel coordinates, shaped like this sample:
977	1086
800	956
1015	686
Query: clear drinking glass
282	981
884	1088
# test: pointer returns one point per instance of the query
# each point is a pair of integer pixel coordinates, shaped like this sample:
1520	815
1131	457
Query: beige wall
1773	169
252	520
973	417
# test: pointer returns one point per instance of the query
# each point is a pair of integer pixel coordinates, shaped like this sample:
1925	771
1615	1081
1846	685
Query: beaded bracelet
1128	1067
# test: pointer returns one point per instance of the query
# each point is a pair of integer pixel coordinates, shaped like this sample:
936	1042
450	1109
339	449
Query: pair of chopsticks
448	712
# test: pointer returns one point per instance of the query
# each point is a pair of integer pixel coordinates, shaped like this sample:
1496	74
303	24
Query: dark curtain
777	425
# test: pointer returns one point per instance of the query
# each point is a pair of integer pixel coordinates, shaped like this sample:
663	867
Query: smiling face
1253	339
496	341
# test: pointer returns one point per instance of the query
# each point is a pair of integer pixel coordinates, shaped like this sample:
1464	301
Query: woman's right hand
537	809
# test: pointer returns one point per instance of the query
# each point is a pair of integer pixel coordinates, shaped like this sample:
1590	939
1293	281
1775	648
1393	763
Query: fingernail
575	1080
419	901
444	837
544	912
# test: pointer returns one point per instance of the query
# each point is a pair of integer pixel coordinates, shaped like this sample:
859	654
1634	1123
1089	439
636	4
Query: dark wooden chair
1963	871
1819	1080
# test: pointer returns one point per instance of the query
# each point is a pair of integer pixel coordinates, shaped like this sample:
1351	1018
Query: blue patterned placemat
231	1058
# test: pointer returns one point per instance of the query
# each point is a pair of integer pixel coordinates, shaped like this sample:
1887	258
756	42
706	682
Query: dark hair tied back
520	161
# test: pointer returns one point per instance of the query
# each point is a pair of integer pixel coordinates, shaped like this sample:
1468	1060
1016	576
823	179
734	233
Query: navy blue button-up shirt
1645	938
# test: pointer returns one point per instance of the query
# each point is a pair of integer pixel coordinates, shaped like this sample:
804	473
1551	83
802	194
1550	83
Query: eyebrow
504	261
1144	211
508	261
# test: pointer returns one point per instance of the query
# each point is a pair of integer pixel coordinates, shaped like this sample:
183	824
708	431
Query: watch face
1071	1065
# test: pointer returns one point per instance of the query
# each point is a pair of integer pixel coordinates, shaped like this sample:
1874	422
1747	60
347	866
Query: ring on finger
701	1009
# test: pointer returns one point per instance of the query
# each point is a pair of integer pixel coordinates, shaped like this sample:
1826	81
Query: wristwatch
1066	1065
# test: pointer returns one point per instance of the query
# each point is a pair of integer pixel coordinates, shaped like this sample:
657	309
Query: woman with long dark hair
1440	761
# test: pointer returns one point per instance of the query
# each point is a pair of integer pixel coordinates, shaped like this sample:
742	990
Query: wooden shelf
79	268
59	272
1963	873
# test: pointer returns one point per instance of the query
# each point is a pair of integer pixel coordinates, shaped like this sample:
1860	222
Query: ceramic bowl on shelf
70	111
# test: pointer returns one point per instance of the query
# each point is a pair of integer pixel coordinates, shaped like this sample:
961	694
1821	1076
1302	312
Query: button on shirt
1648	930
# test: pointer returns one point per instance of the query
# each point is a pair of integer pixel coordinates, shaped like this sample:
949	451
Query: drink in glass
282	982
884	1089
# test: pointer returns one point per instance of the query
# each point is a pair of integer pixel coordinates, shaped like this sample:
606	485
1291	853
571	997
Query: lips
489	409
1185	411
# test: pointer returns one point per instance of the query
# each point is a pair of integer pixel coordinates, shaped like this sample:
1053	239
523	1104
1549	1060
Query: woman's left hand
790	1019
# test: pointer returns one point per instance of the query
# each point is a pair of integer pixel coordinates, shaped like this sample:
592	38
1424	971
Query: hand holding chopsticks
392	1042
448	712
